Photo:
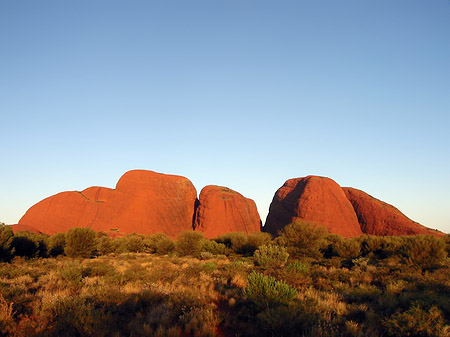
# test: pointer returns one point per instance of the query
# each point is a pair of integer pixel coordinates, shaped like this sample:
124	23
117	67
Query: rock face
23	228
144	202
222	210
313	199
379	218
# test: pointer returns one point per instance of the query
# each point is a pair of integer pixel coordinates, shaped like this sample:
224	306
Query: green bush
135	243
56	244
6	238
271	255
371	245
237	241
105	245
151	240
28	244
81	242
258	239
214	247
424	252
298	267
303	239
447	243
165	245
266	291
348	248
189	243
417	322
120	245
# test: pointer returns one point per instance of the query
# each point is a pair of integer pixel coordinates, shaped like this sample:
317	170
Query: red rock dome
222	210
379	218
144	202
314	199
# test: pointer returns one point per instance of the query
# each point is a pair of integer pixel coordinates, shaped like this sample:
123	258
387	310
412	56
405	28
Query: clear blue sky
245	94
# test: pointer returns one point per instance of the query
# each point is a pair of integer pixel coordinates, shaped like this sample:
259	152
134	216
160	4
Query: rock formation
379	218
313	199
222	210
147	202
23	228
144	202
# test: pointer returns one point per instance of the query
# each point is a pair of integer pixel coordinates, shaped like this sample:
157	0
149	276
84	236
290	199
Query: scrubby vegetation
303	283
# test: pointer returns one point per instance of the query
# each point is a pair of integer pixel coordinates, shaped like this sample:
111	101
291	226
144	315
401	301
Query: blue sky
245	94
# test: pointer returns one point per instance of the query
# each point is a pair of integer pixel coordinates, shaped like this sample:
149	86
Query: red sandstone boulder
313	199
222	210
379	218
143	202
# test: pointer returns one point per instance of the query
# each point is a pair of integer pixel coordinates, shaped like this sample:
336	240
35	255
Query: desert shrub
424	252
287	321
362	294
447	243
28	244
205	256
120	245
266	291
236	241
189	243
6	238
303	238
271	255
348	248
257	239
298	267
209	266
328	245
150	242
7	323
72	316
416	321
71	273
165	245
135	243
105	245
373	246
214	247
81	242
199	321
392	245
56	244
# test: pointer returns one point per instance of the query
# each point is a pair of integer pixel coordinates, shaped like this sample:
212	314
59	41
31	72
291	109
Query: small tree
56	244
165	245
105	245
80	242
302	238
29	244
135	243
189	243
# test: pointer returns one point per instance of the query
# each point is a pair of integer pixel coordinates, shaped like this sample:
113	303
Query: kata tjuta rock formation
222	210
314	199
379	218
143	202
